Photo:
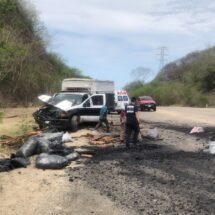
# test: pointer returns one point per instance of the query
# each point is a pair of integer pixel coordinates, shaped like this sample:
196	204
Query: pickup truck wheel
74	122
154	109
41	126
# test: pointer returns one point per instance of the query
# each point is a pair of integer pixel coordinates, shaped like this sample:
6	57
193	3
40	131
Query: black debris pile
13	162
50	148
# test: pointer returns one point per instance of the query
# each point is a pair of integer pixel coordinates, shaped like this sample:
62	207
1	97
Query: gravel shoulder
171	175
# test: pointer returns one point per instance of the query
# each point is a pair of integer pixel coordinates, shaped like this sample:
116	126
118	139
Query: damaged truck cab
79	103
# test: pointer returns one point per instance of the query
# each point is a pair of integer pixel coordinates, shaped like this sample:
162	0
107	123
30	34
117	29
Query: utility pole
162	56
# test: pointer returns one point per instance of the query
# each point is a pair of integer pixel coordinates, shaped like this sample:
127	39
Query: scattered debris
212	147
50	148
47	161
196	130
104	139
152	134
87	155
93	142
66	138
13	116
84	150
13	163
51	151
72	156
28	149
7	140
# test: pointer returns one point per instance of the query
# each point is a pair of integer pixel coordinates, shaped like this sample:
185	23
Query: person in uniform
132	122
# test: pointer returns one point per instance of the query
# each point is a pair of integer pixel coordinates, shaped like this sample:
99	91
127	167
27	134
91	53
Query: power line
162	56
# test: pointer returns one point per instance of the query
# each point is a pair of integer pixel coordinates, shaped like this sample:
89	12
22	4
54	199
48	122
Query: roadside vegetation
17	121
1	115
189	81
25	125
26	68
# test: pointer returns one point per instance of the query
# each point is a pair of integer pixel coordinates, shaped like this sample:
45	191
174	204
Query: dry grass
15	122
15	119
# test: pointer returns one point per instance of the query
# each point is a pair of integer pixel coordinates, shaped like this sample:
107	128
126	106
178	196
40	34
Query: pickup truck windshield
76	99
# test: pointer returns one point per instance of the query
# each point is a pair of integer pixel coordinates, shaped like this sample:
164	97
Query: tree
141	74
208	80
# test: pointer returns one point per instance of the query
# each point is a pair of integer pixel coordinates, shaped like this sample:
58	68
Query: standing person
132	122
103	118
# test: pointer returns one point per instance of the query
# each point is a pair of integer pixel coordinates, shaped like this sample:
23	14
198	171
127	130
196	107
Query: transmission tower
162	56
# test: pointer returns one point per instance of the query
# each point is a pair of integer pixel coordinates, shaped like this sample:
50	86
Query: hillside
26	68
196	69
189	81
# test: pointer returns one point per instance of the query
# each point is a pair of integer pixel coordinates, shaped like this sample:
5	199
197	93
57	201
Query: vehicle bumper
148	106
44	121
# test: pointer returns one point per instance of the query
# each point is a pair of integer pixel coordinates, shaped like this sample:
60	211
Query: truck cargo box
87	85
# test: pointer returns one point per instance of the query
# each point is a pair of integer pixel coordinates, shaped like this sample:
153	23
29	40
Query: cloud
108	37
96	16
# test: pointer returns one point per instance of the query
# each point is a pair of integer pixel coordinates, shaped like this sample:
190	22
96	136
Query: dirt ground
171	175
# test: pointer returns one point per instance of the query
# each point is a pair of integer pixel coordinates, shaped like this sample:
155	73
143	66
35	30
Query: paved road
182	115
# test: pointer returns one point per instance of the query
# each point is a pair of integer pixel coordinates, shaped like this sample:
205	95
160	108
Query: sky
108	39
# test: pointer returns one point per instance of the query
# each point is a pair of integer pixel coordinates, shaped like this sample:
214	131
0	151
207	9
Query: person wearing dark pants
103	118
132	122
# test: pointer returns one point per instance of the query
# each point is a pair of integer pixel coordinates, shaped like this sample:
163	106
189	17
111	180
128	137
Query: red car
147	103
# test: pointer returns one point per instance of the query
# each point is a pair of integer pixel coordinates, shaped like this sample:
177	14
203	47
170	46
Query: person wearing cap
132	122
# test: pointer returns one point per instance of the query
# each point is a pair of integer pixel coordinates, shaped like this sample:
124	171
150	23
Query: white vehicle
121	100
80	101
91	86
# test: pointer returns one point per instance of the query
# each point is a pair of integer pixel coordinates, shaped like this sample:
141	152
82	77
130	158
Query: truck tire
74	122
154	109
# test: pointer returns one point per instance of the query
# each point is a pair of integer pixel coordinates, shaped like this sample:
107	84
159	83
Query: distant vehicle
147	103
121	100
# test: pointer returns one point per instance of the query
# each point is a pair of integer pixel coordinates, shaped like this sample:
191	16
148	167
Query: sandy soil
167	176
15	119
32	191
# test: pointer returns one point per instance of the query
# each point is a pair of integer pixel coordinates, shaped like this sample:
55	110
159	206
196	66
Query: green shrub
173	93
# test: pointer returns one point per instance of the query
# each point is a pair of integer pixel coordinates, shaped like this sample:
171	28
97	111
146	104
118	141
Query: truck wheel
41	126
74	122
154	109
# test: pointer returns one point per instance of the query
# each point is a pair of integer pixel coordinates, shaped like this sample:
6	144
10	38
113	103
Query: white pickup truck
80	103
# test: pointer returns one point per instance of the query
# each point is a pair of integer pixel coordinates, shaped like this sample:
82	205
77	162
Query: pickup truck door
90	109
